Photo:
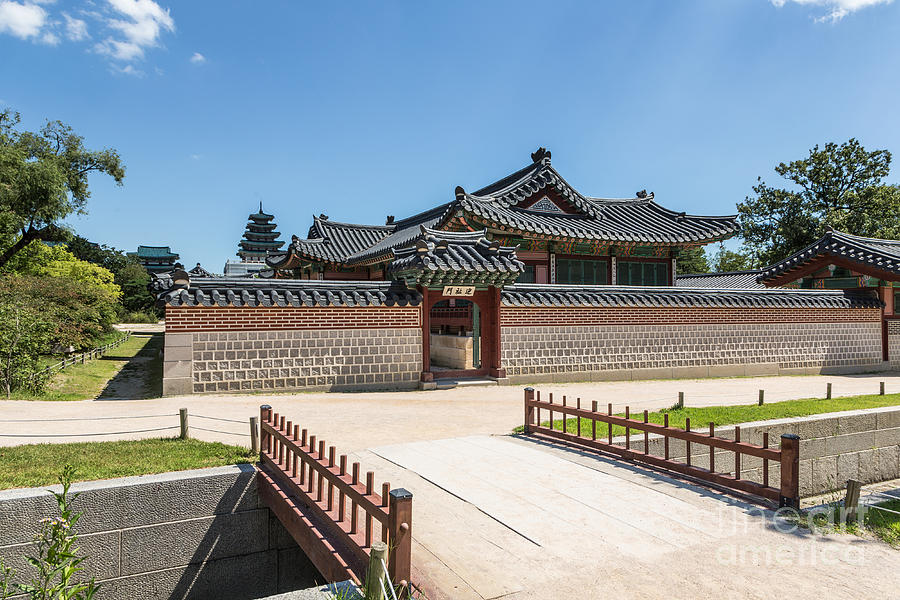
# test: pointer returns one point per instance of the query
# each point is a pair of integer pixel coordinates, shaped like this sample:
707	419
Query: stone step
446	384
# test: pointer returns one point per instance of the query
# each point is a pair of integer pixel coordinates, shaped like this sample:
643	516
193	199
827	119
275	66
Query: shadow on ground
141	377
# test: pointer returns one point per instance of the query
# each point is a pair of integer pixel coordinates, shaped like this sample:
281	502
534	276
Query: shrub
77	313
56	560
24	336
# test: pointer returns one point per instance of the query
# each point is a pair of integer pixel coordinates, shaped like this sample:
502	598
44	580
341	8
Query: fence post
529	410
254	435
790	471
680	400
400	531
762	397
881	388
265	412
375	574
851	500
182	412
828	391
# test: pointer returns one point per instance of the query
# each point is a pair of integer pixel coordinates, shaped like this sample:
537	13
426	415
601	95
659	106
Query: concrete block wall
862	444
569	352
192	534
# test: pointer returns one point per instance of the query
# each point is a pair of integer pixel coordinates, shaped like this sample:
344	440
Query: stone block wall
586	343
193	534
835	447
213	349
894	343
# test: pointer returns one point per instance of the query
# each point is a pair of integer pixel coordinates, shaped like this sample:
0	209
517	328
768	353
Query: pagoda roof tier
260	215
260	227
873	256
533	202
261	235
260	246
442	258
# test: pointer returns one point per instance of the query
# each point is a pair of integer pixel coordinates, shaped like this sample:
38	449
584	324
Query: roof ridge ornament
459	192
540	154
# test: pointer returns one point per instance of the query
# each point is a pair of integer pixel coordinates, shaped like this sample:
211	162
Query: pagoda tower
260	238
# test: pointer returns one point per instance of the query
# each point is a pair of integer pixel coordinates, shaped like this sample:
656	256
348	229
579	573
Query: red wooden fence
787	494
321	503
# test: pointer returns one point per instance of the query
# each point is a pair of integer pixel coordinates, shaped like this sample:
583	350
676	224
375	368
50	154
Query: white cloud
196	156
198	59
23	20
126	70
139	24
835	10
76	29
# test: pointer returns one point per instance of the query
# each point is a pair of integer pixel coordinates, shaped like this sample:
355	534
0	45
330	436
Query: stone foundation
333	359
452	351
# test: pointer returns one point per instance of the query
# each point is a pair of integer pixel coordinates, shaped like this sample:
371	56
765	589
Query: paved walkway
503	517
353	421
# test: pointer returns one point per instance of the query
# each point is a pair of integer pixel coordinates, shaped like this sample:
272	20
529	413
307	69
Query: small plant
55	561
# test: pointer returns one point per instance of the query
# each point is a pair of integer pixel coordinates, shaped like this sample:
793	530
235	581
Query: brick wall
227	318
579	344
894	343
511	316
225	349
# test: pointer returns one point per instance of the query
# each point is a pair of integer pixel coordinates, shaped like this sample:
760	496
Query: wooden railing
326	522
788	457
83	357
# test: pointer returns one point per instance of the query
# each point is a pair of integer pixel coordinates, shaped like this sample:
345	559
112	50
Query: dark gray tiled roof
447	258
199	271
732	280
335	242
406	232
872	252
222	291
629	220
618	296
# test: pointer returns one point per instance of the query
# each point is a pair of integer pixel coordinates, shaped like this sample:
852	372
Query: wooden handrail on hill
84	356
319	502
788	456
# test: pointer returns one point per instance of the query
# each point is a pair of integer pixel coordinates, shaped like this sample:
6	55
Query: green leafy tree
76	314
725	260
133	279
100	254
840	186
692	260
24	337
44	179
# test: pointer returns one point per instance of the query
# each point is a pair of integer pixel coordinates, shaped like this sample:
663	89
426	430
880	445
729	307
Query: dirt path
361	420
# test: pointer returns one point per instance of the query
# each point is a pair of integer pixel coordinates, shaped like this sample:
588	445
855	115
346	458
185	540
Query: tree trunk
27	238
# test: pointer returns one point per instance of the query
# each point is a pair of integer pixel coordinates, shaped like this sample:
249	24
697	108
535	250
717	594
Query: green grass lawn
885	525
41	464
728	415
133	369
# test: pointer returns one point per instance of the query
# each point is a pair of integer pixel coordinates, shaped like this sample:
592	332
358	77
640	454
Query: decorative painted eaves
442	258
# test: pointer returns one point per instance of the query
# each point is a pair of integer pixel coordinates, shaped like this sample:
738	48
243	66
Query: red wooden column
496	365
427	375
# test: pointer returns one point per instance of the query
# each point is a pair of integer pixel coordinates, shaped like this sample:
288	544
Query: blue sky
364	109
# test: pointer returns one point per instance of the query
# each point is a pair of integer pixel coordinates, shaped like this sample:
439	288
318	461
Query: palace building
561	235
156	259
524	280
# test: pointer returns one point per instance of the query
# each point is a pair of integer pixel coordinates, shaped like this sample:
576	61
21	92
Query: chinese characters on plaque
459	290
